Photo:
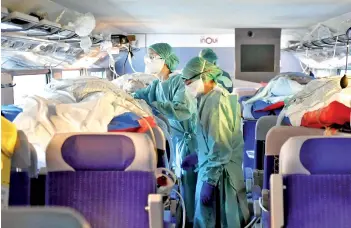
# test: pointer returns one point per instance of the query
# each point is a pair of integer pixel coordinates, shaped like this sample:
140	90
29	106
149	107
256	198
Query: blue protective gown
220	151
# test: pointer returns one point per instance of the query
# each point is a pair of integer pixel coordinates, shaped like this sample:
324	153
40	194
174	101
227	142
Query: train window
342	72
100	74
68	74
321	73
27	85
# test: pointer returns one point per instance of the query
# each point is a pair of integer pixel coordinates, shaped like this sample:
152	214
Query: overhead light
24	21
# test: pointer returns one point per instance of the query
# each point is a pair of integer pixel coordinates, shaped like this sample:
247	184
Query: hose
183	206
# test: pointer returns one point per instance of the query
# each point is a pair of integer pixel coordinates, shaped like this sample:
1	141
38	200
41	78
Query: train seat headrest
101	152
316	155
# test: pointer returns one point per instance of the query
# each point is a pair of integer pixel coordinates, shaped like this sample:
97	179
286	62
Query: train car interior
184	114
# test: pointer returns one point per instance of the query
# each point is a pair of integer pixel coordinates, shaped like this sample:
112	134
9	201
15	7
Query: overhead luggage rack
338	41
4	12
44	28
63	34
16	22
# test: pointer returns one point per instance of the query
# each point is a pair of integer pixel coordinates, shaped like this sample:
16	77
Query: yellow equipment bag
8	143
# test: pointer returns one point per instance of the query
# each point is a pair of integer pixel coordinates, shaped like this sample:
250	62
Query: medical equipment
166	180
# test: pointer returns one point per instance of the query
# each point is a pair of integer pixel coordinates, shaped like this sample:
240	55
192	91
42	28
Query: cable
347	56
130	61
112	65
124	64
167	203
183	206
252	222
261	205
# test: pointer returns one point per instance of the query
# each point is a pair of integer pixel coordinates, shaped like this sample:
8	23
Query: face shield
153	64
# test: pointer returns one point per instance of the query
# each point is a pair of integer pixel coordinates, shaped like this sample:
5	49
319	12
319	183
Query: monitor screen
257	58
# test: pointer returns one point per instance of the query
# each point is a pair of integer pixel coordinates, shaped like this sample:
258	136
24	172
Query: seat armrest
277	204
155	209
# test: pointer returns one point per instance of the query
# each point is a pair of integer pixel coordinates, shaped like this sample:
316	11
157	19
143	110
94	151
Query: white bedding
316	95
73	106
132	82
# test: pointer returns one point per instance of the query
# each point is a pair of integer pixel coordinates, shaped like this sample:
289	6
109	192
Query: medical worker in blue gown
225	80
220	149
167	95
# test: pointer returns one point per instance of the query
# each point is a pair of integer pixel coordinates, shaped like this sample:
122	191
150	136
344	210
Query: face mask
196	88
153	66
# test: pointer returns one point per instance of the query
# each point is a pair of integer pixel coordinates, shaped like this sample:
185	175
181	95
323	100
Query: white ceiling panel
197	16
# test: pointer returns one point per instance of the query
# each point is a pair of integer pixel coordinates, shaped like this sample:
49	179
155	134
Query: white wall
181	40
189	45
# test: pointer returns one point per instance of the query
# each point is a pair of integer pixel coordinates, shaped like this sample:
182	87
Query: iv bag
85	43
84	24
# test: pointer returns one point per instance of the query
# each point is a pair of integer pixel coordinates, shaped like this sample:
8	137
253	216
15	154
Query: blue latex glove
189	161
207	194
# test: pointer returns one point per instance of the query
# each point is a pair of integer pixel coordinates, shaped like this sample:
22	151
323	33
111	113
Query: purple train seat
275	138
23	167
264	124
313	187
249	143
107	177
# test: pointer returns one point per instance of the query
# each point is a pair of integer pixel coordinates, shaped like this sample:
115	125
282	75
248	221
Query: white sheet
42	117
132	82
296	112
278	89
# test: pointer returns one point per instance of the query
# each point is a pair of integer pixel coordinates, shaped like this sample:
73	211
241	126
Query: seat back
275	139
41	217
316	173
105	176
249	144
264	124
244	91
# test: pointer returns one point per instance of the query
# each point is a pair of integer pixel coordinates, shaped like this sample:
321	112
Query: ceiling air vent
16	21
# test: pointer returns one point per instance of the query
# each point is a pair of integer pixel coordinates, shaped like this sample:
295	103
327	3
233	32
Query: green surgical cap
209	55
200	67
165	51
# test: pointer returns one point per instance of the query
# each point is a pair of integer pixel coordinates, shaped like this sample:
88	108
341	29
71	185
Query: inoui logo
208	40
